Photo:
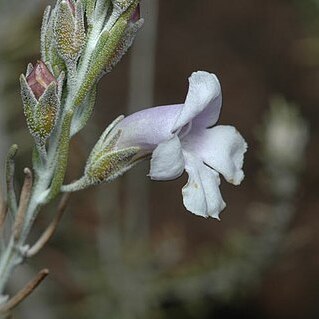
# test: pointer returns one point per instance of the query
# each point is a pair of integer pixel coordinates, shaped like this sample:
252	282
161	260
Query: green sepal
80	36
102	143
29	69
111	165
69	31
60	81
63	31
40	115
106	49
105	161
122	5
101	8
58	64
47	112
44	33
49	53
124	45
30	104
121	10
100	46
89	10
28	99
101	149
128	9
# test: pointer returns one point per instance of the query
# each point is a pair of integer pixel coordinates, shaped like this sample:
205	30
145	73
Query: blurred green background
129	249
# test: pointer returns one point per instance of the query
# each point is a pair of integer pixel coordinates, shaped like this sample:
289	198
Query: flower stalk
24	292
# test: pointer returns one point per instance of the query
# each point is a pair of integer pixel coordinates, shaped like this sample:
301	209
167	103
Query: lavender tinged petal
203	101
210	115
167	161
148	128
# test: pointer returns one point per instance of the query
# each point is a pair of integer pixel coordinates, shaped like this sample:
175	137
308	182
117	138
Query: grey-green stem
16	249
49	167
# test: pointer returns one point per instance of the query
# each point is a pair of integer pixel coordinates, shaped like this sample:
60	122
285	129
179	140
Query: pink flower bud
39	79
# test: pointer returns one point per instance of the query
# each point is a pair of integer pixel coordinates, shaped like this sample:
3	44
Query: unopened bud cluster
80	42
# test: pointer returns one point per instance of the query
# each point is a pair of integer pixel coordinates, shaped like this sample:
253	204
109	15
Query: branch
49	232
3	210
10	166
23	204
24	292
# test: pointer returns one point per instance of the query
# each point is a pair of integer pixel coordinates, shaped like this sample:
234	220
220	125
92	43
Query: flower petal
149	127
201	194
167	160
222	148
204	95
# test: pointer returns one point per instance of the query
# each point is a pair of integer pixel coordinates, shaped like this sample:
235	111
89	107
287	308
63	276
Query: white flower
182	137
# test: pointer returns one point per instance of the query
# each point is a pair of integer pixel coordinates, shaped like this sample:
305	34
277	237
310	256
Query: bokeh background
129	249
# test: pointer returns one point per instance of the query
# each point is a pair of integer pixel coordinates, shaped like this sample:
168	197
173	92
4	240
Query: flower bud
41	93
69	30
134	24
106	161
39	79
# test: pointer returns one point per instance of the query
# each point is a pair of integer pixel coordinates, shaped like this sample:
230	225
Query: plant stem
15	250
50	171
